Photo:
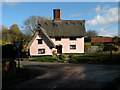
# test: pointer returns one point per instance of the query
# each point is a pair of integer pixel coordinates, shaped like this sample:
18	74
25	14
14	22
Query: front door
59	49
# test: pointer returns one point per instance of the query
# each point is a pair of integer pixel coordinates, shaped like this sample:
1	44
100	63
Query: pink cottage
60	36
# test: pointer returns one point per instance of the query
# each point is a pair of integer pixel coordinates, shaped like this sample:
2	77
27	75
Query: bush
71	56
44	59
98	44
73	61
62	61
24	59
62	57
24	50
87	45
20	66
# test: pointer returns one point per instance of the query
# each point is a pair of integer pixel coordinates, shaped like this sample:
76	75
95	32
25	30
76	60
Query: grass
96	58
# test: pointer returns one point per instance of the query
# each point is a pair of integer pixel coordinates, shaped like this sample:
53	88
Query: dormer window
57	38
39	41
72	38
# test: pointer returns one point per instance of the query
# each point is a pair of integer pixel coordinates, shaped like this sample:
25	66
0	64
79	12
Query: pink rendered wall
35	46
65	42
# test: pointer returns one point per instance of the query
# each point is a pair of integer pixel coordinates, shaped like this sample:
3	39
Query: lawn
96	58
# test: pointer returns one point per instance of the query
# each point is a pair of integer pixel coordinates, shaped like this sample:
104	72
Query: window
57	38
72	46
41	51
39	41
72	38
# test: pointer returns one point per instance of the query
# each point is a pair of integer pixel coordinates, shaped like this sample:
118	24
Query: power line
111	26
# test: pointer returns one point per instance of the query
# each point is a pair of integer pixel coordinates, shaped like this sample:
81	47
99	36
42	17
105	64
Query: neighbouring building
104	40
62	36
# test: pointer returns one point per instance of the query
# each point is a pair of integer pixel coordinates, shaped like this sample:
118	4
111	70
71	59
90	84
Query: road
60	75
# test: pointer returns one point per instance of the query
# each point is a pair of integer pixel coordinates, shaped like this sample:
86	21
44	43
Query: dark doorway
59	49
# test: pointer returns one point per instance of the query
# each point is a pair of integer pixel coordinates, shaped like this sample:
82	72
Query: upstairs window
72	38
39	41
72	46
41	51
57	38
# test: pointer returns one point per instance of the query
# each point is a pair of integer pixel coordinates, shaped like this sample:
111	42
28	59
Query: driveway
60	75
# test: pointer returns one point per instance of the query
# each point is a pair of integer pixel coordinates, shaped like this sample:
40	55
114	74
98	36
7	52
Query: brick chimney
57	14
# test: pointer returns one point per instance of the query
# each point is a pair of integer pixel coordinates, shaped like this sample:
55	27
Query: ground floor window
72	46
41	51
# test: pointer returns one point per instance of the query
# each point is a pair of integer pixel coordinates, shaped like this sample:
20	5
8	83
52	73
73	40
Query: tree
5	34
117	39
15	33
31	23
89	34
110	47
113	45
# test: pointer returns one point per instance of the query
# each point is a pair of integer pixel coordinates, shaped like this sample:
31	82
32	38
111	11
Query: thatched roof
64	27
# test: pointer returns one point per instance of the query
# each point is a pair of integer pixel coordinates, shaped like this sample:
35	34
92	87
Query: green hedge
99	58
62	57
44	59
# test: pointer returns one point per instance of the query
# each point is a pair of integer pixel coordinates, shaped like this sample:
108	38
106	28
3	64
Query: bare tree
91	33
30	24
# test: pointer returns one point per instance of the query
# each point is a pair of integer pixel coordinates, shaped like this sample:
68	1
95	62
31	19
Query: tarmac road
60	75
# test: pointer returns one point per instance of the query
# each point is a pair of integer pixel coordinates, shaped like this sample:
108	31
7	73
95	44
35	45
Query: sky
99	16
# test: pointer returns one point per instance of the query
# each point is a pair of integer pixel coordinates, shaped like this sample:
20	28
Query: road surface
60	75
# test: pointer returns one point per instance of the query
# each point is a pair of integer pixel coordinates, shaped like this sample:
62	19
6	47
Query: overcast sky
99	16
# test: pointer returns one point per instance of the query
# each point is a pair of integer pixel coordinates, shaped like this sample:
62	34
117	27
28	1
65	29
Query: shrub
71	56
24	50
62	57
73	61
86	46
24	59
62	61
20	66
